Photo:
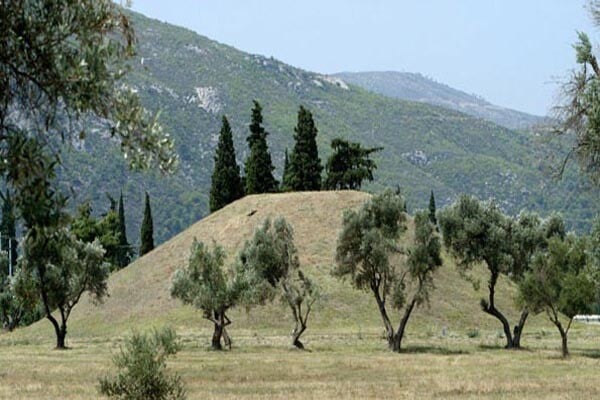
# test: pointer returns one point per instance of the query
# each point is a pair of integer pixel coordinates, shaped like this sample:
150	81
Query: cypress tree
259	167
9	232
432	216
124	254
285	184
226	184
147	234
304	165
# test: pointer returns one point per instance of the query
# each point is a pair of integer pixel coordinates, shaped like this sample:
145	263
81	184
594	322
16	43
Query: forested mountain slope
194	81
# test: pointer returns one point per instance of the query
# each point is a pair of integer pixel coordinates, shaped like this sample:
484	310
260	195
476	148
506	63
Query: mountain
416	87
193	81
140	294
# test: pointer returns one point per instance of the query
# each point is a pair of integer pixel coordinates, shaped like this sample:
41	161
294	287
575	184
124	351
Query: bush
141	365
473	333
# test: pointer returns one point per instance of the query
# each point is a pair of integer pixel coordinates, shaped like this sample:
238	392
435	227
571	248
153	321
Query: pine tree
147	234
259	167
304	164
124	253
349	165
8	229
226	184
432	216
285	181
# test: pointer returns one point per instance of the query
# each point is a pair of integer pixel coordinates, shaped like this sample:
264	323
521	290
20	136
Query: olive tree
578	110
364	254
205	285
559	284
16	310
61	269
271	260
475	232
478	232
61	70
527	234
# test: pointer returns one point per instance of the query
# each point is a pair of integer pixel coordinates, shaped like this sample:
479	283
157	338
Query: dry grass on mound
139	294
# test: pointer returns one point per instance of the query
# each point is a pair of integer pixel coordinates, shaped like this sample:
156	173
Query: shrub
141	365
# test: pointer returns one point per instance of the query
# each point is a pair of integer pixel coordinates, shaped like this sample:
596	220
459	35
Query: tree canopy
147	229
259	167
304	168
559	284
271	261
349	165
226	184
62	268
369	254
207	286
578	111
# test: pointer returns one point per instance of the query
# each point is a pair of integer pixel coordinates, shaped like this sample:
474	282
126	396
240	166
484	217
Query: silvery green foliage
61	269
142	371
369	254
559	283
205	285
270	260
578	111
63	62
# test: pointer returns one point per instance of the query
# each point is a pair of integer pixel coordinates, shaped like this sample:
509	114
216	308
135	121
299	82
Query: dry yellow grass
337	367
348	359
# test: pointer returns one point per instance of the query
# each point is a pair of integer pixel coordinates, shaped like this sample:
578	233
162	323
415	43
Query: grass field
348	366
452	349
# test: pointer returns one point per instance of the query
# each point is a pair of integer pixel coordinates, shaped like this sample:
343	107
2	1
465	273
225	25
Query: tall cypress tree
226	184
285	180
124	253
147	231
305	166
9	232
432	216
259	167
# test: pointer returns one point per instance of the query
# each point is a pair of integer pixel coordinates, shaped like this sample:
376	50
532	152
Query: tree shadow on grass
590	354
433	350
490	347
494	347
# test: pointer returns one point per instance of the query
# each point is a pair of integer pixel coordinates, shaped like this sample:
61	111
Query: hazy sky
511	52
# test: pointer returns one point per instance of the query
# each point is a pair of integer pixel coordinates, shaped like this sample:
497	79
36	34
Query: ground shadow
494	347
433	350
490	347
590	353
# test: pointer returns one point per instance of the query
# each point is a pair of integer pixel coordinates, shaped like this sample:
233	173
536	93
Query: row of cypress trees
119	247
302	169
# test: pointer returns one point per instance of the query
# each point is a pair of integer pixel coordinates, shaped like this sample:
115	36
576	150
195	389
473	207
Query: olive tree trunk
398	336
518	329
220	321
490	308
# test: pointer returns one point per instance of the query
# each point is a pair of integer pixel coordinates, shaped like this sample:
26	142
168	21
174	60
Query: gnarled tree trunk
402	327
298	331
220	321
389	329
518	329
216	338
490	308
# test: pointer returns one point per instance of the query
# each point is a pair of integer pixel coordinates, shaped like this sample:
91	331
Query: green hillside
194	80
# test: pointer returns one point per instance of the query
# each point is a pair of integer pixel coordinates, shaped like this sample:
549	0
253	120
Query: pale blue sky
509	51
